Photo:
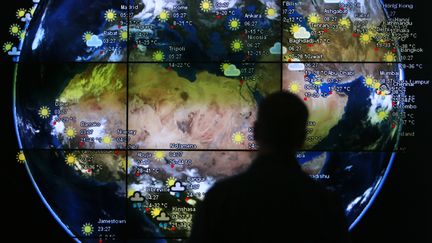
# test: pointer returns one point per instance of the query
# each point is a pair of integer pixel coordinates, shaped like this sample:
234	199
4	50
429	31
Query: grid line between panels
218	150
209	62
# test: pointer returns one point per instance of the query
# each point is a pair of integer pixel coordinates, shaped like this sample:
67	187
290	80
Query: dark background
400	213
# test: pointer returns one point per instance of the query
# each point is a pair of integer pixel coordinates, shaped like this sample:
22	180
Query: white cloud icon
302	33
296	66
332	1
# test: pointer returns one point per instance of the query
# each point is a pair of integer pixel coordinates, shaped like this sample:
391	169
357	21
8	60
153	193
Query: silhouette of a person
274	200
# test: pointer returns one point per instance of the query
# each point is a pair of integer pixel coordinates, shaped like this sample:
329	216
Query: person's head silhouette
281	123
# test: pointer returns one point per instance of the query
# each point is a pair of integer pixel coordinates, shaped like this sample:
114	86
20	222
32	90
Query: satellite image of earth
127	115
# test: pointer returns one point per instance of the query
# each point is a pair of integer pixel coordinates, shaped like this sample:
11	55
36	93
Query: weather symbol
238	137
294	87
296	66
294	28
276	49
107	139
376	85
7	46
163	16
26	18
232	71
302	33
44	112
236	45
32	10
313	19
14	52
159	155
365	38
344	23
369	81
21	157
224	66
94	41
206	6
136	197
110	15
158	56
170	181
384	90
14	29
87	36
70	132
382	114
20	13
70	159
22	34
177	187
163	217
87	229
123	35
155	212
271	12
389	57
234	24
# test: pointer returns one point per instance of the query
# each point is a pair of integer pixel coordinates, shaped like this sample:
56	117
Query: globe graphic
129	111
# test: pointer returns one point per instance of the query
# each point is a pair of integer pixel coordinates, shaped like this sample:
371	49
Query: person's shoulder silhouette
273	201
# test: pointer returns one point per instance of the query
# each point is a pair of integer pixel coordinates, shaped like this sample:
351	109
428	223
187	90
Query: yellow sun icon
123	35
20	13
110	15
158	56
271	12
155	212
32	10
382	114
224	66
376	85
22	34
107	139
44	112
87	36
206	5
389	57
294	28
7	46
236	45
159	155
238	137
70	159
163	16
171	181
21	157
344	23
369	81
70	132
87	229
14	29
313	19
365	38
234	24
294	87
